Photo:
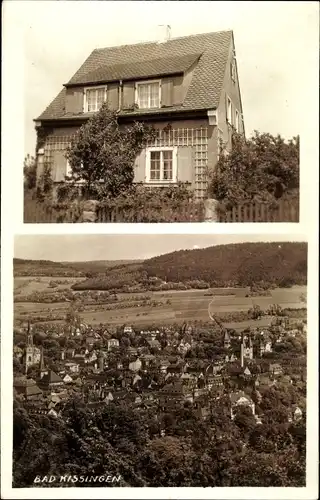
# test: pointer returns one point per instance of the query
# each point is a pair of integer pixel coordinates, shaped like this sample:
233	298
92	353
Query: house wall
195	140
173	91
230	89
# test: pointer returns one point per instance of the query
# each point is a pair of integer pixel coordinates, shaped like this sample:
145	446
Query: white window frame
233	70
69	173
229	110
174	179
237	121
85	102
146	82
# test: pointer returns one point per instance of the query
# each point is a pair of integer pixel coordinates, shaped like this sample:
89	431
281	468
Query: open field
178	306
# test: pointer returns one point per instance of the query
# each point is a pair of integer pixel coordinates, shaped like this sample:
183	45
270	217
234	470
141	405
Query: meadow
172	306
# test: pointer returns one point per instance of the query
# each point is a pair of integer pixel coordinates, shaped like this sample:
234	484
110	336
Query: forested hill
243	264
28	267
240	264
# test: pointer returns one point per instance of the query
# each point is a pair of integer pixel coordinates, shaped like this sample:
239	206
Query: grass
187	305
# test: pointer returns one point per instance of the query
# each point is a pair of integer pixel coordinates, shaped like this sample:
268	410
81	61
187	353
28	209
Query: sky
275	44
78	247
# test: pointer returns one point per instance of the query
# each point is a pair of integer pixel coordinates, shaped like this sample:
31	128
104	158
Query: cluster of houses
157	373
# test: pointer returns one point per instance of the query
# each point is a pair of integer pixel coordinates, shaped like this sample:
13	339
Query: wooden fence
184	212
38	212
283	211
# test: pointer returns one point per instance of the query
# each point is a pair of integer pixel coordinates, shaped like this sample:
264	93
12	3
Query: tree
102	154
261	168
30	172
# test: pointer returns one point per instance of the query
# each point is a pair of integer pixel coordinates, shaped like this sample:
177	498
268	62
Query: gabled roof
152	58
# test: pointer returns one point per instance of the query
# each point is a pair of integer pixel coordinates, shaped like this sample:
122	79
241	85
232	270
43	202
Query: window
94	97
148	95
229	110
68	169
237	121
161	165
233	70
69	174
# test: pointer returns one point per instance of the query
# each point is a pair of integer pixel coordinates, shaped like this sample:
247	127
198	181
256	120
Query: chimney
165	33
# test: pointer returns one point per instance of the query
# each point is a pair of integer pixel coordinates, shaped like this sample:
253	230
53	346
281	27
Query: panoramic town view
180	361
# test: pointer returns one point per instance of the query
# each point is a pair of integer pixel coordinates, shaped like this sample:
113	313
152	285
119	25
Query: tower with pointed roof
32	353
246	349
42	369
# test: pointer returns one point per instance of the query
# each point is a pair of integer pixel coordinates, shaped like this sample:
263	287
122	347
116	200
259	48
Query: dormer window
148	94
94	97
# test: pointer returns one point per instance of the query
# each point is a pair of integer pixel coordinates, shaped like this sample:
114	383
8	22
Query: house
72	367
51	381
186	87
113	344
67	379
241	399
275	369
28	389
135	366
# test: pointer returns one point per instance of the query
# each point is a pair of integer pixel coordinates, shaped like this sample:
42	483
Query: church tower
42	369
246	349
29	348
32	353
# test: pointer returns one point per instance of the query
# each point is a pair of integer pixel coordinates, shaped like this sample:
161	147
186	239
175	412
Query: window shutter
185	165
128	95
59	168
140	167
113	96
166	92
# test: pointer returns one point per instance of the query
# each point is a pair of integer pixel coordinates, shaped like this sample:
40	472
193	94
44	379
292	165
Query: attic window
233	70
94	97
148	94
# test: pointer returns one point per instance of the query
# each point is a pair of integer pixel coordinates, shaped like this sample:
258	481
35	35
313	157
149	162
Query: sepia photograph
142	350
179	118
159	361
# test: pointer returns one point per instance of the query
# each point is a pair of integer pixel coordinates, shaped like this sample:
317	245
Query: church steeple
42	369
29	335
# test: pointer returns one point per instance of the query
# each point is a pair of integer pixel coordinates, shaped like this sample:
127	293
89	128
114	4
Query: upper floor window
148	94
94	97
229	110
237	124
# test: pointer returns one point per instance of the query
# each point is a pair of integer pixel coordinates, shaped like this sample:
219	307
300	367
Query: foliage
175	449
219	266
102	154
30	172
262	168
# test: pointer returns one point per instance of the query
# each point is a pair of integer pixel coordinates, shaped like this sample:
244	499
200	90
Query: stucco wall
231	89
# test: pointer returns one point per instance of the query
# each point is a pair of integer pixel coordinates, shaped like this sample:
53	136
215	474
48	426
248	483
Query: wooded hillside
243	264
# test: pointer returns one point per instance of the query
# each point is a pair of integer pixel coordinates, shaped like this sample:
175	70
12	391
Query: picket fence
37	212
184	212
283	211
